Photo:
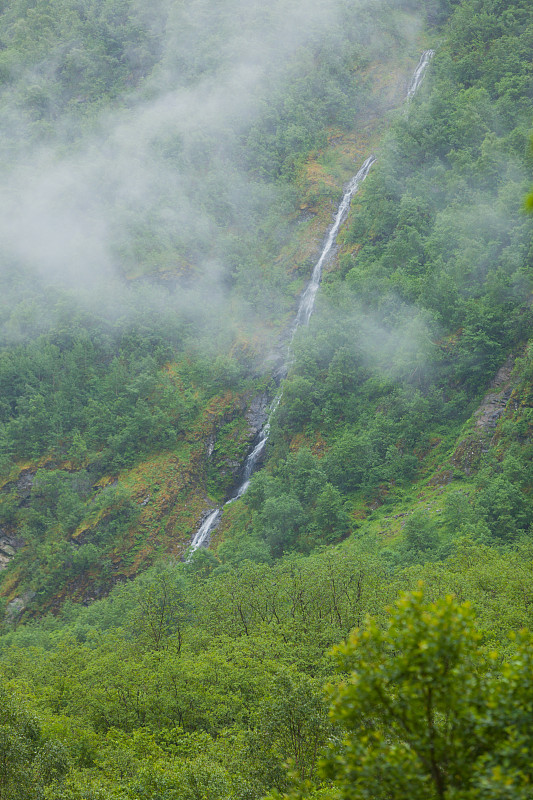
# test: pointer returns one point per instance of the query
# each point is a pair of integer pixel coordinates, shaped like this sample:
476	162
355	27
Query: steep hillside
134	381
428	304
394	505
121	433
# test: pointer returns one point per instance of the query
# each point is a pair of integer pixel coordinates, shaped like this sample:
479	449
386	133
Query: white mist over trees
207	110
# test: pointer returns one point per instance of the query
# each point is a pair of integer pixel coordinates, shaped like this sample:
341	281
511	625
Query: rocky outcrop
25	483
9	544
469	452
495	401
20	491
16	608
257	413
229	432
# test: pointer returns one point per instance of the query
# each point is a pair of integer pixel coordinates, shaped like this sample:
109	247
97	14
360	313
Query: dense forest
359	624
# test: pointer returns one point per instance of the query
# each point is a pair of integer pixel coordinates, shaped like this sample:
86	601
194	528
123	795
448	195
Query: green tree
421	537
458	510
291	726
161	611
428	713
528	202
330	514
281	521
504	507
28	762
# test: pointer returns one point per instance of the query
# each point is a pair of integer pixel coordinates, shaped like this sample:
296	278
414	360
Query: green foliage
161	611
504	508
175	679
427	713
421	537
91	397
28	761
297	507
292	726
93	53
182	677
330	514
458	511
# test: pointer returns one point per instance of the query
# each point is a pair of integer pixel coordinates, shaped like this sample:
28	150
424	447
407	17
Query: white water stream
305	309
419	72
307	301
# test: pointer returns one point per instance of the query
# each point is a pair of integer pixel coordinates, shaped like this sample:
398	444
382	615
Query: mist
170	178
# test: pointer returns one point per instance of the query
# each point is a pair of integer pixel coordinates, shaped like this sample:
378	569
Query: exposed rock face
468	453
495	401
9	544
25	483
22	486
210	443
6	553
441	478
257	413
16	608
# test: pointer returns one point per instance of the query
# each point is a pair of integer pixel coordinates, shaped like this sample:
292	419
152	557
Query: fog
169	178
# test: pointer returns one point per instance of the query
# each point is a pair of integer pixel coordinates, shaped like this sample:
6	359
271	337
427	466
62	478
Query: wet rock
25	483
495	401
257	413
16	608
9	544
210	444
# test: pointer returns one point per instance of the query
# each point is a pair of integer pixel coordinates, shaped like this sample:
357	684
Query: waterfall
210	522
419	72
303	315
305	309
307	301
204	530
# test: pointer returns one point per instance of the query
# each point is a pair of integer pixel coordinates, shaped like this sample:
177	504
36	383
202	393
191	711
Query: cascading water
307	300
202	534
305	309
419	72
205	529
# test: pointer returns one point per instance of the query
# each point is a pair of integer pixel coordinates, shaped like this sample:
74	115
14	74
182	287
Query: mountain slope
129	395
